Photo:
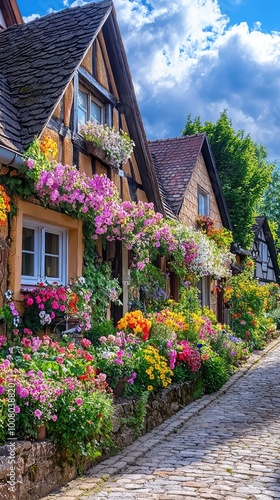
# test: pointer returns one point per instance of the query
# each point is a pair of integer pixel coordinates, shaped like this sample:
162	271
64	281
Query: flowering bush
114	357
4	205
175	321
248	301
152	369
222	237
47	302
135	322
9	314
117	145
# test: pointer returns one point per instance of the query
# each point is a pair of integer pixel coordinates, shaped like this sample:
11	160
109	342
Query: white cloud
27	19
185	57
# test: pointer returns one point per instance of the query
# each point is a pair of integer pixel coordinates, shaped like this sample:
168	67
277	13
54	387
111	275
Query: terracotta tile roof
37	60
174	161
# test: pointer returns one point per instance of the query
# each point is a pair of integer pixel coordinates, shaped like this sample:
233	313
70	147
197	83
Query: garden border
113	465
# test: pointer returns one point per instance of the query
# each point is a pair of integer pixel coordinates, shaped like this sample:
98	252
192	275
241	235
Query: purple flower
17	409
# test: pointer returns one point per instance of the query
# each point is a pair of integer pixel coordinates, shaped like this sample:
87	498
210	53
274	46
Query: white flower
9	294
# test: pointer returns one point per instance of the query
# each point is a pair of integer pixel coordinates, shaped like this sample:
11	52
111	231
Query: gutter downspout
10	158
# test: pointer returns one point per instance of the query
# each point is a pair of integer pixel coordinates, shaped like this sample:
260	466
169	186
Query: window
264	255
89	108
203	202
44	253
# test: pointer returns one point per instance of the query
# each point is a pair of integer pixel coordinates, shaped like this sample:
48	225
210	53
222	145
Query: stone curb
80	488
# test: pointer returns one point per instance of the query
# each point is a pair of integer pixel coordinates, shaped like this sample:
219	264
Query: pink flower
54	418
59	359
102	339
27	331
27	357
17	409
29	301
111	338
85	343
79	401
38	413
26	342
30	163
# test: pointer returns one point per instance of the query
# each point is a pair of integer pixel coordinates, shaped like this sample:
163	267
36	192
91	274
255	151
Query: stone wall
40	468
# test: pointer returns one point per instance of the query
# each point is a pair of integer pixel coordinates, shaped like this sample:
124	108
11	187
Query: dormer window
89	108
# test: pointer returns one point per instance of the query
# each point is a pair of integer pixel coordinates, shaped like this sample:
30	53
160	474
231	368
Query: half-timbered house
57	72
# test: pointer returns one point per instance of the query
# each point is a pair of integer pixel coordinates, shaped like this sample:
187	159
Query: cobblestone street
224	446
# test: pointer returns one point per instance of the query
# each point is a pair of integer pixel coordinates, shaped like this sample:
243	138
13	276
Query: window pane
28	237
201	204
52	243
82	116
27	266
51	267
82	100
95	111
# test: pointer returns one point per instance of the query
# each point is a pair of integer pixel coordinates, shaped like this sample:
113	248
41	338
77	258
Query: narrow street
222	447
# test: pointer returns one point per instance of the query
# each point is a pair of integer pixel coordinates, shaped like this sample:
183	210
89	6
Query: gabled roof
261	223
39	59
175	160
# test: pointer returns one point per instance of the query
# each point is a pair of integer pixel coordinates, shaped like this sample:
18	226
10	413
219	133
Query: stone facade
40	467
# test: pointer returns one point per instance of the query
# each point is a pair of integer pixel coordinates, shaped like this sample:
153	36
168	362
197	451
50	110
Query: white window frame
40	230
205	195
91	98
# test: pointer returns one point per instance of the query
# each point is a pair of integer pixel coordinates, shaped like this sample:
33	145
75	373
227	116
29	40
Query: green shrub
215	373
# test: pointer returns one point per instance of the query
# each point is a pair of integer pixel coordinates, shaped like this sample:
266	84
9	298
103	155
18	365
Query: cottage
264	252
58	72
190	187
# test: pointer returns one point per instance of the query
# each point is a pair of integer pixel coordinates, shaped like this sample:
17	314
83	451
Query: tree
243	169
271	201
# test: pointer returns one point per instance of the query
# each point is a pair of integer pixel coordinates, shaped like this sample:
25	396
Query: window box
99	154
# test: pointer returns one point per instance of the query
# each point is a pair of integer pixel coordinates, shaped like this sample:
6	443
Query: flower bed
41	467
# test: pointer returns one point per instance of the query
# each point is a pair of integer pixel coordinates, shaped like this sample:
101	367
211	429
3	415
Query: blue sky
199	57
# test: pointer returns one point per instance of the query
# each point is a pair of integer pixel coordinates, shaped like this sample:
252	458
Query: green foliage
270	204
215	372
87	430
100	329
137	420
243	169
275	315
152	285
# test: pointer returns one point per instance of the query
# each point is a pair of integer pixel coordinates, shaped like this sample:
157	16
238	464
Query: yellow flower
150	387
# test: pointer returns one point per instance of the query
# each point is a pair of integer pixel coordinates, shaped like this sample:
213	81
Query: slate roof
175	160
37	61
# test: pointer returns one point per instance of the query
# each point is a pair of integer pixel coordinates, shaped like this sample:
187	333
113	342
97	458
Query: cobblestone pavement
224	446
